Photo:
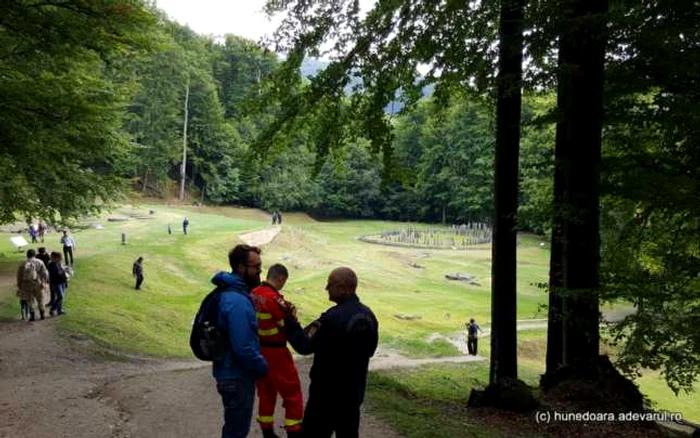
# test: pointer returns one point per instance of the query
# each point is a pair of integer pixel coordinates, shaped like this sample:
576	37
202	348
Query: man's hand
290	309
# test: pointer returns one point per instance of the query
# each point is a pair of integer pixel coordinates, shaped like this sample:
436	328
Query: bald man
342	340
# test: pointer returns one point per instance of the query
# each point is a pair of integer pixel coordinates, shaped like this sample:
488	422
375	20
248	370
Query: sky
218	17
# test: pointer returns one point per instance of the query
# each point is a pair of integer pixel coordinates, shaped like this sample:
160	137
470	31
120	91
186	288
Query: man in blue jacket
236	373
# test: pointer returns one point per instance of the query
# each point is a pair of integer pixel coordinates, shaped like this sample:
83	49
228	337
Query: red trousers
282	378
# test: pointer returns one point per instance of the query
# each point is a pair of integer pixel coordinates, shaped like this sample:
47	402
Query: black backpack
208	341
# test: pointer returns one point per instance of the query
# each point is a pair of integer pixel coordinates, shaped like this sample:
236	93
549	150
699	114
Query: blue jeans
60	293
238	396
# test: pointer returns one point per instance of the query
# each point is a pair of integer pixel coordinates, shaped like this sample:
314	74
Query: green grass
430	401
103	305
653	385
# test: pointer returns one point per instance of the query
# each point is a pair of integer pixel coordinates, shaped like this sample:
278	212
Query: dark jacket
237	317
56	274
137	269
44	258
342	340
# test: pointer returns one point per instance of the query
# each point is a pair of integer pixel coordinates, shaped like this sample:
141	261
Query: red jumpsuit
282	377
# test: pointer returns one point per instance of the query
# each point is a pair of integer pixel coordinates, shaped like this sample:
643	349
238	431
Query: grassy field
430	401
103	304
412	303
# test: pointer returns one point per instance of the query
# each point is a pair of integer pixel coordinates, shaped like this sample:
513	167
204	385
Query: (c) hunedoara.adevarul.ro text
600	417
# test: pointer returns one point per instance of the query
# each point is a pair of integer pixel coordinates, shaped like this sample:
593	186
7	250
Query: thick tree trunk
555	352
503	271
579	131
555	328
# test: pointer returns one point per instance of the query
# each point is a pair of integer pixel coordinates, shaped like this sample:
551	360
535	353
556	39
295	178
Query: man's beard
252	282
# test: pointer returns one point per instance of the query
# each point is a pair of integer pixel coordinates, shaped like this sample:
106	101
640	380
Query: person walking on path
283	377
137	271
33	233
42	231
279	218
23	305
342	340
185	224
59	283
31	277
68	244
473	336
237	371
274	218
43	256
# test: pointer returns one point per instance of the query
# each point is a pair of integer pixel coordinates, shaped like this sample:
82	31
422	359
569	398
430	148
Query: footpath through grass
406	288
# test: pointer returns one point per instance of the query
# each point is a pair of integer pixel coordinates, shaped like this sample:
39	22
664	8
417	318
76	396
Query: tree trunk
579	131
555	353
503	271
183	169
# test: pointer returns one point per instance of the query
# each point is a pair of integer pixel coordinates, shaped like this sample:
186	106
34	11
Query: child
23	306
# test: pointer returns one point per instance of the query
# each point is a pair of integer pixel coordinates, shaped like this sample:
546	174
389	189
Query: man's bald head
341	283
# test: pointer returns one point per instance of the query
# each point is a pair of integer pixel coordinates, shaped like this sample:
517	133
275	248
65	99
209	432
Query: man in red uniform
282	378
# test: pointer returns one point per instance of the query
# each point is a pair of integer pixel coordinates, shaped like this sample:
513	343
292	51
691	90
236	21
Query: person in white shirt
68	245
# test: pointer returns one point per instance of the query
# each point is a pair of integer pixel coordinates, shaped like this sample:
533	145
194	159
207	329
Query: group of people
137	267
37	231
276	218
185	225
39	276
259	323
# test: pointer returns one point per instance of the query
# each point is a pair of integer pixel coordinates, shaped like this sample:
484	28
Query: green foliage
60	108
349	186
651	252
456	168
536	165
286	181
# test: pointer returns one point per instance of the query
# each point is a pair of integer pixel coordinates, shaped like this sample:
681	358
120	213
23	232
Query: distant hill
310	67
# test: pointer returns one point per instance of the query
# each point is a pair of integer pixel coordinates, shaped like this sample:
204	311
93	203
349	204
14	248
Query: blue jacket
237	316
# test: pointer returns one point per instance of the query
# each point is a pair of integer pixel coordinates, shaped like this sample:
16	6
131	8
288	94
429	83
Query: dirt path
50	388
262	237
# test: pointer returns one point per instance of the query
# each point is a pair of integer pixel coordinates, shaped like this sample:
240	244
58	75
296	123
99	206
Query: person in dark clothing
274	218
137	271
279	218
473	336
58	281
44	256
42	231
185	224
343	339
33	233
170	230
